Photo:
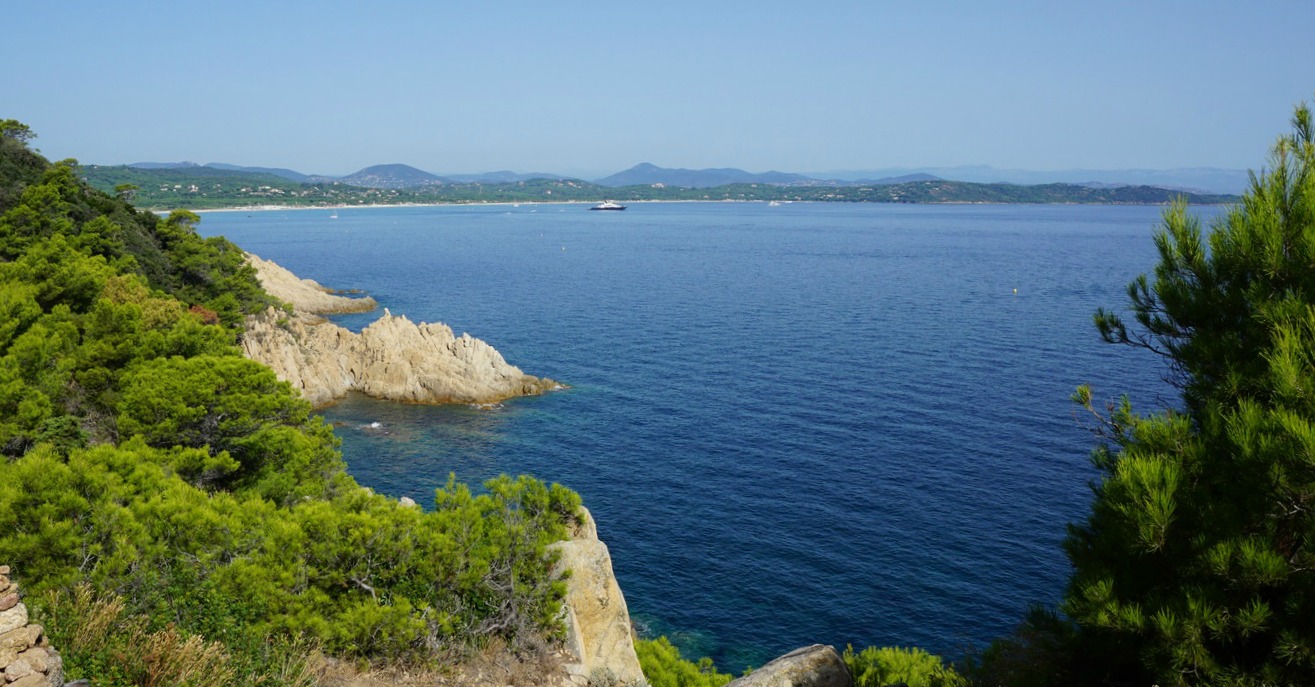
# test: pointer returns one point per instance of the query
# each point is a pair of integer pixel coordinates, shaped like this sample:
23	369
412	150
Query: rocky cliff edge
598	629
304	295
392	359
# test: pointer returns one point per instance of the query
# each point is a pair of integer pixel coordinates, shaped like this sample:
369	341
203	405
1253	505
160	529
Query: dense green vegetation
154	479
203	187
922	192
873	667
664	667
1196	565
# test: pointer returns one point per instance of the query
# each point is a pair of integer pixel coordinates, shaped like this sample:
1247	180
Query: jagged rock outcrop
26	659
599	633
392	359
304	295
812	666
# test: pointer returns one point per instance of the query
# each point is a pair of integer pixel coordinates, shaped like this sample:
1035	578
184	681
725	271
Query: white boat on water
608	205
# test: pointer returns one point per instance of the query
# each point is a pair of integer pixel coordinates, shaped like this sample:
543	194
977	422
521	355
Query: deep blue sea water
808	423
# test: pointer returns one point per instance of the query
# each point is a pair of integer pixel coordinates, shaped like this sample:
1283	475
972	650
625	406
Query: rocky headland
399	360
392	359
304	295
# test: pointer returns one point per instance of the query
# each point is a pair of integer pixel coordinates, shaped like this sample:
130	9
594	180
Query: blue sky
590	88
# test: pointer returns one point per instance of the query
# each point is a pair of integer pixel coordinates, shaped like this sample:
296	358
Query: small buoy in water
1015	292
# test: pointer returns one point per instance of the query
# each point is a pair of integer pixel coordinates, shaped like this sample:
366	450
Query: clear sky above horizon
590	88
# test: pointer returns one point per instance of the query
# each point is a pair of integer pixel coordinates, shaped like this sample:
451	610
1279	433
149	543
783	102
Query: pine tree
1196	565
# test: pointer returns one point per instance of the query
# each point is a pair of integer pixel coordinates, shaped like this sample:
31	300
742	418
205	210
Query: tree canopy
1196	565
150	472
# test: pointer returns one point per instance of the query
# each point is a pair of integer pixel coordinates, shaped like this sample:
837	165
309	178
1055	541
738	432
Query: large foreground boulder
812	666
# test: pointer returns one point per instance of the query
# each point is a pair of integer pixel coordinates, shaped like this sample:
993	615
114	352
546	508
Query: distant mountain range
502	177
276	171
192	166
206	187
645	174
400	176
1196	179
392	176
389	176
889	181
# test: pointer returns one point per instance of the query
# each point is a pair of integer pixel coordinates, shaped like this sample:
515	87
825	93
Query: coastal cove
795	424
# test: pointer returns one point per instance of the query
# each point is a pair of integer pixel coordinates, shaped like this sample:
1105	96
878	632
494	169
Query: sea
796	424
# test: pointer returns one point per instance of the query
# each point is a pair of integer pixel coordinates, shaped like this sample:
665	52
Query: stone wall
26	659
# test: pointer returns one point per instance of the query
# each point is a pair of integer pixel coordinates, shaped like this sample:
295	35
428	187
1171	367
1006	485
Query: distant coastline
213	189
371	206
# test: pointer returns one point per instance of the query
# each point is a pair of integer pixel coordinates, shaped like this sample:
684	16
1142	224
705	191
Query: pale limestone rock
13	618
304	295
812	666
16	642
35	680
20	668
36	657
20	639
599	632
393	359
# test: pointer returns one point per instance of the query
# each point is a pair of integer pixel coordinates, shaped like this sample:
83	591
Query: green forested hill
176	514
938	191
204	187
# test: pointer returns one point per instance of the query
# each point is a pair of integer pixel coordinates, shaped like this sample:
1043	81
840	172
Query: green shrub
358	572
1195	565
663	666
96	637
873	667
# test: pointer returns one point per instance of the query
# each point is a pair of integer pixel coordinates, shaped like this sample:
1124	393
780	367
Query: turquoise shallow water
796	424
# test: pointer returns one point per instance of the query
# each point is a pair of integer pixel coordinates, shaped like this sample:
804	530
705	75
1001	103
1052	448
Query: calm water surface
796	424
